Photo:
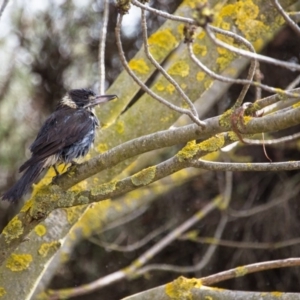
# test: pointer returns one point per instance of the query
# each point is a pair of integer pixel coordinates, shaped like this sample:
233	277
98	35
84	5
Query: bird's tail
24	183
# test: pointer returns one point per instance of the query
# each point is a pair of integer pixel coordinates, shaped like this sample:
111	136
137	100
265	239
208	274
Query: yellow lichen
144	177
225	26
13	230
188	151
139	65
201	35
183	86
199	49
240	271
80	186
120	127
73	214
180	68
277	294
225	57
161	43
208	83
40	230
194	3
159	86
2	291
200	76
233	136
18	262
45	248
296	105
102	147
104	188
180	29
212	144
181	288
170	88
26	207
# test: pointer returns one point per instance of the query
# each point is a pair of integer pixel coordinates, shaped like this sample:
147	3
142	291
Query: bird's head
84	98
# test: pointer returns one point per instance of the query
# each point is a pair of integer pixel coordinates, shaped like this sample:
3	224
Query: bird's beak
101	99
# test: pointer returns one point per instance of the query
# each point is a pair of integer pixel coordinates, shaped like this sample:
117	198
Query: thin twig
290	191
161	69
294	83
136	264
281	140
287	18
3	6
209	30
242	245
245	167
291	66
142	85
237	81
102	43
248	269
129	248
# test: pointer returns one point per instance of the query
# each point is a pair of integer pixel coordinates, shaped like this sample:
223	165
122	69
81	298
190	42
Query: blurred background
48	47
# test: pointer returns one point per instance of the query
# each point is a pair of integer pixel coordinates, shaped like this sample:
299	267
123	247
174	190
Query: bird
66	135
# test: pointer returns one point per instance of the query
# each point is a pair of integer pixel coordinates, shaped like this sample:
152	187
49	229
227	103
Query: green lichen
13	230
65	199
188	151
225	120
180	68
18	262
47	248
139	66
144	177
40	230
83	200
181	288
104	189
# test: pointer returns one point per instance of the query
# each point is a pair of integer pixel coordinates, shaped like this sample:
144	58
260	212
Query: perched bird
67	134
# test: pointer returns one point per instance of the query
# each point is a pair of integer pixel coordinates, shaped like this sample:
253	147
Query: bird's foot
54	179
73	165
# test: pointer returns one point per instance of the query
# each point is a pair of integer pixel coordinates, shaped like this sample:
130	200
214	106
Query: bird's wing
60	130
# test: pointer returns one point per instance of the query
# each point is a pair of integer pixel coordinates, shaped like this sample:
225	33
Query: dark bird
67	134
